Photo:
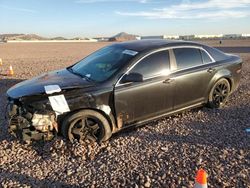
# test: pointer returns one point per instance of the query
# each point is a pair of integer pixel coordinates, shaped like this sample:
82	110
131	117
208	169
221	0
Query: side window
187	57
153	65
205	57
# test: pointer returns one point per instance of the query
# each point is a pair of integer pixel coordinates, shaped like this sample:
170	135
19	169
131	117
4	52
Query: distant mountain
58	38
122	37
21	37
9	35
4	37
33	37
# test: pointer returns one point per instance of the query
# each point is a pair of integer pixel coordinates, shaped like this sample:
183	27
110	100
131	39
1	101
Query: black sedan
122	85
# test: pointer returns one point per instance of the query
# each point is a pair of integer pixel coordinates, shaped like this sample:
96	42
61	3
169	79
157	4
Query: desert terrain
164	153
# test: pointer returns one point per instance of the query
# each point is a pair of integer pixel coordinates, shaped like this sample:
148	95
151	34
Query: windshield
103	63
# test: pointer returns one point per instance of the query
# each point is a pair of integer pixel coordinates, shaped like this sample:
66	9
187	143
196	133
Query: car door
138	101
192	77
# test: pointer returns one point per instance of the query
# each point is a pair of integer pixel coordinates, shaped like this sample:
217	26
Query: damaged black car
121	85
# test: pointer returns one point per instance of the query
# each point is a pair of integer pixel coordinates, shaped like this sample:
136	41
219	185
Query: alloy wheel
220	93
85	128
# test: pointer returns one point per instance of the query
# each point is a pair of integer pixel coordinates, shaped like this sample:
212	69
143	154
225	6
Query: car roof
146	44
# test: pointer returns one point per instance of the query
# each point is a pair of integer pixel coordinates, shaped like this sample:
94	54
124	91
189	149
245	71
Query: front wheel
219	94
86	125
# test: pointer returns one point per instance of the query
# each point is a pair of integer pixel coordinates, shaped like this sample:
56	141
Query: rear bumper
235	85
237	73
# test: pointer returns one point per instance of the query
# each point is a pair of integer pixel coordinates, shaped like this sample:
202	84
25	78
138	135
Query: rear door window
187	57
153	65
205	57
216	54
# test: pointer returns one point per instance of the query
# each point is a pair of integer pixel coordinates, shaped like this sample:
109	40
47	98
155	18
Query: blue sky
89	18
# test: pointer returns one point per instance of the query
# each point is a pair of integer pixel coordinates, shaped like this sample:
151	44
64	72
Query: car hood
63	78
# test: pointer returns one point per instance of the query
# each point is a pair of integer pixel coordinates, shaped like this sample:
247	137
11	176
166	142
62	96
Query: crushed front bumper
29	126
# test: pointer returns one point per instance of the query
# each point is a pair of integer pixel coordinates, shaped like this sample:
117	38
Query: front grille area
20	124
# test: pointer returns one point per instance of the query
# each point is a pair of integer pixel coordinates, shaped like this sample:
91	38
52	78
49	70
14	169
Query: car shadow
5	84
202	131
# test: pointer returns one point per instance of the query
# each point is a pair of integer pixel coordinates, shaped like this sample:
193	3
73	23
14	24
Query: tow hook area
27	126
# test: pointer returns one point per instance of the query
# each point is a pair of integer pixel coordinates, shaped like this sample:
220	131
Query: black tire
86	124
219	94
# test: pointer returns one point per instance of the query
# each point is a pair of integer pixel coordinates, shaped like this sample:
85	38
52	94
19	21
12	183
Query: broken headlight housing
31	121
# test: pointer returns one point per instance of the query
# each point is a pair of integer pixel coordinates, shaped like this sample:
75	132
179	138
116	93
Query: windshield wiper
76	73
80	75
87	78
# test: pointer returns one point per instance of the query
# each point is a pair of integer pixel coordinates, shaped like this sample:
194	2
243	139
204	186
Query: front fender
101	102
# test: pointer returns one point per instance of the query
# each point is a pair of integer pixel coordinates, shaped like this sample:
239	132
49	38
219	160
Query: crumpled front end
31	122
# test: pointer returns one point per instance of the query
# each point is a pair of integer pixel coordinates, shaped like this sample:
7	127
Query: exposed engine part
43	122
29	126
11	109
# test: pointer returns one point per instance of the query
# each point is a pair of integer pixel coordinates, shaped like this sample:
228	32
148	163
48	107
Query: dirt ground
165	153
226	42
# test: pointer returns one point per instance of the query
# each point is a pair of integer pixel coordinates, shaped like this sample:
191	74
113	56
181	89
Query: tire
219	93
86	125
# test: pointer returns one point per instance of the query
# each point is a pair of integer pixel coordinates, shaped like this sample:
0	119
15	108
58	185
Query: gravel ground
165	153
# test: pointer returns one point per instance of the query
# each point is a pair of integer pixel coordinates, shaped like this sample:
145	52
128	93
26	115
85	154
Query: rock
69	172
164	148
147	184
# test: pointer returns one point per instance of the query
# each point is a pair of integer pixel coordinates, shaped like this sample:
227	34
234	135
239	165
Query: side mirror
132	77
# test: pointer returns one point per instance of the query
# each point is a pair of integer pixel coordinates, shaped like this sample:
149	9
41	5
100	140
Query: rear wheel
86	125
219	94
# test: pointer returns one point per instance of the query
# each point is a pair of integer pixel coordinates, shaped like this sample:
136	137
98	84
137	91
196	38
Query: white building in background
232	36
102	39
138	38
208	36
187	37
192	37
245	35
172	37
153	37
160	37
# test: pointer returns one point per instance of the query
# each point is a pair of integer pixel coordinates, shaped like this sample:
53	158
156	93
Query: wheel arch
224	73
230	80
108	117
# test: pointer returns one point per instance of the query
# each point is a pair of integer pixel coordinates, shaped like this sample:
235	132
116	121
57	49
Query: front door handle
168	81
210	70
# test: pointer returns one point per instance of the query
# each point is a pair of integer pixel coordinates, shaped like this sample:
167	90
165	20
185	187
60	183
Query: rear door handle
168	81
211	70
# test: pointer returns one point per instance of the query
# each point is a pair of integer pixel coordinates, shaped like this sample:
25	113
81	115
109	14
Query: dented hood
63	78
